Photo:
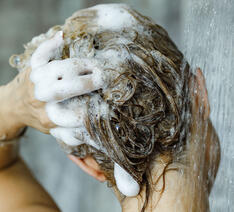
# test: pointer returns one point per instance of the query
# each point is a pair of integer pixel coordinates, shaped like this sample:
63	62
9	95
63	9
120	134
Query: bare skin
185	192
184	189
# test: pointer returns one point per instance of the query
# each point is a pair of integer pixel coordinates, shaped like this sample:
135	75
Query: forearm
19	191
10	124
19	108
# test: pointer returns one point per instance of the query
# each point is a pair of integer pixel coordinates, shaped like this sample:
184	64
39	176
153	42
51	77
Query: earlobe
200	94
90	166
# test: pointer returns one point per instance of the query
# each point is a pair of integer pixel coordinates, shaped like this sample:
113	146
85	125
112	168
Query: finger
67	135
70	113
60	80
89	160
47	50
92	171
73	136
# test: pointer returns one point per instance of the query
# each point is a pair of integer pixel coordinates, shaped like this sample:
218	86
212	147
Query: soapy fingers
58	80
48	50
63	79
73	136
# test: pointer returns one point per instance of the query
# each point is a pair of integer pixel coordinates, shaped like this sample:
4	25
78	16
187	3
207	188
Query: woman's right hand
19	108
30	111
55	84
36	96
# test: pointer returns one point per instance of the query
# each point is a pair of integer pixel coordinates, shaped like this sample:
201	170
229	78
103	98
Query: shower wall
208	42
202	29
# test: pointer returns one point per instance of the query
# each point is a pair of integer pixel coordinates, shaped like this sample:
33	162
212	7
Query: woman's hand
41	89
59	83
19	108
32	111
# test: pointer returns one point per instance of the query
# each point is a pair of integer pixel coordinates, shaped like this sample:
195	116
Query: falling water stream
209	44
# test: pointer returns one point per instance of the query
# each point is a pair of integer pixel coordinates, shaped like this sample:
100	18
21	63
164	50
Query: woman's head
143	109
147	95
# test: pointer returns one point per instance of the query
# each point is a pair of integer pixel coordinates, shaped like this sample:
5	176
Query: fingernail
71	156
60	34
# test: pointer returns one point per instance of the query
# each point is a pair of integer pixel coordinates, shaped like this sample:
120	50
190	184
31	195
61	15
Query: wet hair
148	99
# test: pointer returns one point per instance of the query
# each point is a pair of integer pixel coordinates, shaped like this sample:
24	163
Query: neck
181	188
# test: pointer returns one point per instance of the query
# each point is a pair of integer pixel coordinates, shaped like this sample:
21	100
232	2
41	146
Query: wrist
8	153
10	124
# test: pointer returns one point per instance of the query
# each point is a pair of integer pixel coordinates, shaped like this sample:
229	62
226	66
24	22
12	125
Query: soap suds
73	136
113	16
63	79
70	113
67	135
125	182
70	116
48	50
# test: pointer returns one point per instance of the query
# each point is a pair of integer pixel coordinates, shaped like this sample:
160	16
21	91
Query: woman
122	102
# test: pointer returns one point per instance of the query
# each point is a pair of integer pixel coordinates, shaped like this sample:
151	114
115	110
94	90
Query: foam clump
62	79
48	50
113	16
70	116
69	113
73	136
67	135
125	182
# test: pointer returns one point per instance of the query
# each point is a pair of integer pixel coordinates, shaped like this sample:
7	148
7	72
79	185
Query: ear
200	94
90	166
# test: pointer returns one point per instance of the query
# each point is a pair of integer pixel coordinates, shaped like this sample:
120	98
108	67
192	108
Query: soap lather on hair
114	84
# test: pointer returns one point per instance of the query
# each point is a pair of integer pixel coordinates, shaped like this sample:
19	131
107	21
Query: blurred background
202	29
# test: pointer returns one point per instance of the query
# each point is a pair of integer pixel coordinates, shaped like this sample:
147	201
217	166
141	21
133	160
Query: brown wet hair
149	99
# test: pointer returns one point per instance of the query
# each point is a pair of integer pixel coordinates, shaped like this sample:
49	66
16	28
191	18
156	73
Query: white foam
98	106
49	49
73	136
67	135
69	114
63	79
125	182
114	57
113	16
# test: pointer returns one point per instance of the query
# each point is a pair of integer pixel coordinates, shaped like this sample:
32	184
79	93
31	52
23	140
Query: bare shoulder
178	190
184	185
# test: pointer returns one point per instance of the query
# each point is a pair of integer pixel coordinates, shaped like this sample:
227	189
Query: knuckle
45	122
